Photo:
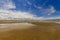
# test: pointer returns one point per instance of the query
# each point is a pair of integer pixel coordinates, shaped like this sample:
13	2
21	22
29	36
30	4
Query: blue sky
40	9
32	6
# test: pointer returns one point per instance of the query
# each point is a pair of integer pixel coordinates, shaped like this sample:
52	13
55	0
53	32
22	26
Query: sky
32	9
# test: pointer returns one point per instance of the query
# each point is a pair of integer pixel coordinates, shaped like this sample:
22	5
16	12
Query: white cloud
6	13
43	18
6	4
58	17
38	7
9	14
29	3
49	10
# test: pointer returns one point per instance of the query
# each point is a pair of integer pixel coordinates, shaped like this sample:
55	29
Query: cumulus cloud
9	14
6	13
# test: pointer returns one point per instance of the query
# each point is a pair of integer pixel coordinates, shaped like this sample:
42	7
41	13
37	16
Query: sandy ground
6	27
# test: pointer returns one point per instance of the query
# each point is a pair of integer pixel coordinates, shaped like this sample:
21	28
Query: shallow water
15	26
6	27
